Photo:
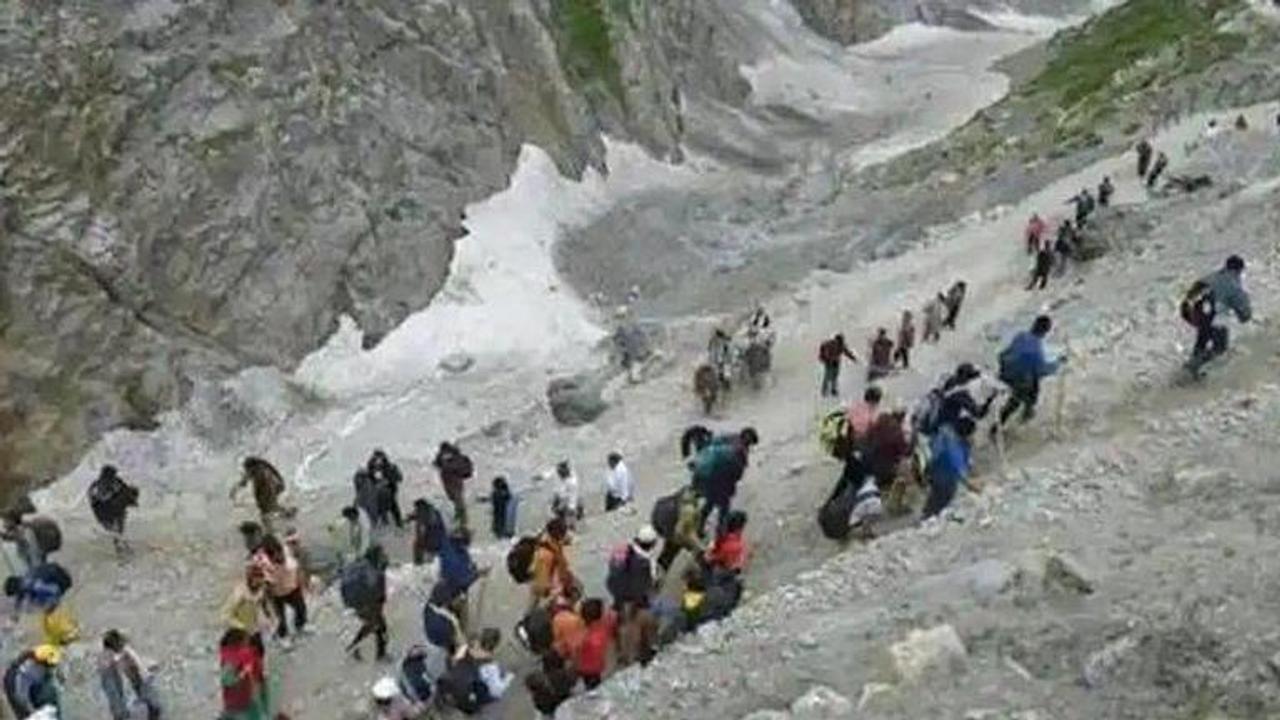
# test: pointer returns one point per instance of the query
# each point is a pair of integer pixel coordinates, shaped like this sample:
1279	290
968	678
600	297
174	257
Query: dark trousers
612	502
953	312
390	510
902	354
831	379
1041	276
941	492
721	506
1024	395
457	495
293	600
591	682
372	622
1211	341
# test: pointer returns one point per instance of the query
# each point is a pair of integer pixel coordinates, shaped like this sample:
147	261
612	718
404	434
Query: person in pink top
284	584
1035	232
862	415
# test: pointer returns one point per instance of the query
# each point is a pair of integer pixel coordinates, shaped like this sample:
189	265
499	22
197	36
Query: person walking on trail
954	300
1162	162
1065	245
729	550
693	440
593	653
110	498
504	505
566	499
830	353
241	678
906	340
881	364
684	532
959	399
1035	233
934	312
387	479
429	531
619	488
1144	151
459	570
364	590
633	571
31	682
120	667
247	607
550	572
720	354
862	415
366	497
441	624
358	535
718	470
1042	269
1023	364
551	685
455	469
1200	307
267	484
1105	190
949	465
886	446
283	575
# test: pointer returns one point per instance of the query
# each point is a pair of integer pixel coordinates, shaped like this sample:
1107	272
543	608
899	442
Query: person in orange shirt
593	653
551	571
729	551
567	627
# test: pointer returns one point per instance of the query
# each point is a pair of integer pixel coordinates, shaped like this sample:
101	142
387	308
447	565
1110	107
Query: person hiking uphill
633	572
619	488
387	479
683	533
1043	267
363	588
949	465
110	498
1144	151
31	682
1106	189
1034	236
1200	308
881	356
906	340
120	667
550	572
717	471
1022	366
267	484
954	299
830	353
1162	162
455	469
933	315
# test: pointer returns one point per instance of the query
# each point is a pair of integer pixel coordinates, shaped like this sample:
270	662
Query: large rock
925	650
1063	572
576	400
821	703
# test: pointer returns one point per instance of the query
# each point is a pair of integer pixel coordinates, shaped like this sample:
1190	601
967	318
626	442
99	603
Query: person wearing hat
31	681
959	396
1222	289
633	570
390	704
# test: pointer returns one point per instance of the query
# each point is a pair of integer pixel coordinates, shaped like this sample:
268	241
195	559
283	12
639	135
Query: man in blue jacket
1023	365
1222	289
717	470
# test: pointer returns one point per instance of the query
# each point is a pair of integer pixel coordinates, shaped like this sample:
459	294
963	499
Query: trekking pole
1060	400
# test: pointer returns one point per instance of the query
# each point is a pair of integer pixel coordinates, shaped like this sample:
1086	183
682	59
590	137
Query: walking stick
1060	400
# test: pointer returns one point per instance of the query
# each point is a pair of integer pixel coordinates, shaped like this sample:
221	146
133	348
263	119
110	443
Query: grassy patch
586	46
1125	51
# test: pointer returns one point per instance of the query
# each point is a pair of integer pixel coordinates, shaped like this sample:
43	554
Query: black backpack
534	631
520	559
1197	305
359	585
46	532
833	516
462	688
665	514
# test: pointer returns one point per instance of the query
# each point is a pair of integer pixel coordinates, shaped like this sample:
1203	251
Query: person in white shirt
495	679
565	503
618	486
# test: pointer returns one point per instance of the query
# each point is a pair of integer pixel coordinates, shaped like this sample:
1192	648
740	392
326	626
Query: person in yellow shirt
58	626
247	608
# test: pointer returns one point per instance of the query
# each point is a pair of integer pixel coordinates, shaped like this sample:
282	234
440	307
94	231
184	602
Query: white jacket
618	483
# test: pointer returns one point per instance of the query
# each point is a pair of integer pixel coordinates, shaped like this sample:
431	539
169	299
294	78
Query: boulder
924	650
1065	573
576	400
457	363
821	703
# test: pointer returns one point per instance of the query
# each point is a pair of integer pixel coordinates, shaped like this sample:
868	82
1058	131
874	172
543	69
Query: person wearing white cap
390	704
632	570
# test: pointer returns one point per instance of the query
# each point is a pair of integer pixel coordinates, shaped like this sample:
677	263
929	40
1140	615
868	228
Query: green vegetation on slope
585	45
1124	51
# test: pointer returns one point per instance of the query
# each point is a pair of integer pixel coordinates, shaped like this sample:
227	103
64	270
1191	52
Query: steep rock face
850	21
189	188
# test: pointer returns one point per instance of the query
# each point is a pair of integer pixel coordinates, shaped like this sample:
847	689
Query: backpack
520	559
1009	371
829	352
534	631
833	434
1197	305
433	529
666	512
833	516
619	563
358	585
462	688
925	416
459	466
47	533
